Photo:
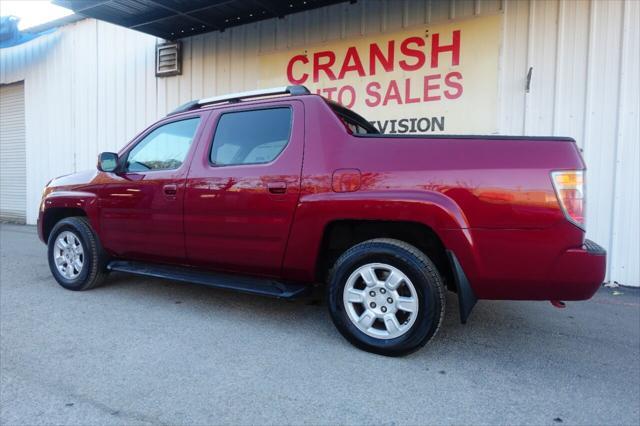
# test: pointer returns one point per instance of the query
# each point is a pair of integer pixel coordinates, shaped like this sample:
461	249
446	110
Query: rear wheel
76	258
386	296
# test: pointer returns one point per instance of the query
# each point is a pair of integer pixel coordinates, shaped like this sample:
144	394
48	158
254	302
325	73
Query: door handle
170	189
277	187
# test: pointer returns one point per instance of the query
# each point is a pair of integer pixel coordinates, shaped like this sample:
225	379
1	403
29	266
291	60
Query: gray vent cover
168	59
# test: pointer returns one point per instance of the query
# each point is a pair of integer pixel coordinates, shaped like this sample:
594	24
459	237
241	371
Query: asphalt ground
148	351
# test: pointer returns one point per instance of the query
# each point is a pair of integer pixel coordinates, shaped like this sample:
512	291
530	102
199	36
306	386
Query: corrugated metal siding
13	169
584	56
585	63
624	244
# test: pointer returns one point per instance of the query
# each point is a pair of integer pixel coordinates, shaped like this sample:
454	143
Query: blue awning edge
11	36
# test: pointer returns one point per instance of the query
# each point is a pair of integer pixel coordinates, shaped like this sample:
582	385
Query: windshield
356	124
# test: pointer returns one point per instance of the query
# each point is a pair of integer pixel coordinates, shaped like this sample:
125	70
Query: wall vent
168	59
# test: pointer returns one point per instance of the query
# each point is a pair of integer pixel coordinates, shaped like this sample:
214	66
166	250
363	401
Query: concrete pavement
147	351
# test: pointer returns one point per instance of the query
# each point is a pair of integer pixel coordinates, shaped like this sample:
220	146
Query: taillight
569	186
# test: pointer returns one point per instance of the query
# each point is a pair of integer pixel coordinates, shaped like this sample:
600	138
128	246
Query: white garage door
13	170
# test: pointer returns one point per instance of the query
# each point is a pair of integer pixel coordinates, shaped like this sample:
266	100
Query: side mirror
107	162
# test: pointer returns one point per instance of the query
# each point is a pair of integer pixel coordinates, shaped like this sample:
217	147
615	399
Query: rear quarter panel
490	200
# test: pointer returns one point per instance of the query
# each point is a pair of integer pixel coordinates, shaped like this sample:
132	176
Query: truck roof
342	112
237	97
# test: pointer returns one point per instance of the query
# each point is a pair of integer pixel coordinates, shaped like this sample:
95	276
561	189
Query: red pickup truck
274	192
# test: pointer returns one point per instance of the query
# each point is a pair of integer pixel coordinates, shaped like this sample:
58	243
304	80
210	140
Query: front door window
165	148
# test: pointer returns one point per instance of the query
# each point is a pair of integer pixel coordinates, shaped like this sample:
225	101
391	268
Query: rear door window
251	137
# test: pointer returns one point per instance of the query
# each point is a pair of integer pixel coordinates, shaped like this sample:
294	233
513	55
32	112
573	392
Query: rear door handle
170	190
277	187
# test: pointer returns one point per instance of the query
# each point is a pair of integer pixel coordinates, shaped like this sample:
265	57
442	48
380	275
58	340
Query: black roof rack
237	97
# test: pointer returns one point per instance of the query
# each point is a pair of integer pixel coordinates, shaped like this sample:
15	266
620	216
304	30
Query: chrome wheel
380	300
68	255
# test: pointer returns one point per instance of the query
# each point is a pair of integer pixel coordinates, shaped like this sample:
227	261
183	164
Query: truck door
142	205
243	188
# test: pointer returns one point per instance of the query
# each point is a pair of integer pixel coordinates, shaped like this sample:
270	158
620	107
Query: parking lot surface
148	351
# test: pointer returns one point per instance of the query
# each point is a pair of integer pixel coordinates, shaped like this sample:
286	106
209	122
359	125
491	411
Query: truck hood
74	180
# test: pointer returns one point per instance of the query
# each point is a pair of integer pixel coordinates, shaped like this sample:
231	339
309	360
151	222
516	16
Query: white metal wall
13	168
90	87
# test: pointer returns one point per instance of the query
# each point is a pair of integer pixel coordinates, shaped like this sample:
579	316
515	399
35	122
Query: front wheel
385	296
76	258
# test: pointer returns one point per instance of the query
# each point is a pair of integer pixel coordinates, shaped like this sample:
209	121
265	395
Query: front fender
57	200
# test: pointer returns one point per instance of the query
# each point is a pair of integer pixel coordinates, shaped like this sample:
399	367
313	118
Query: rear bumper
554	263
578	273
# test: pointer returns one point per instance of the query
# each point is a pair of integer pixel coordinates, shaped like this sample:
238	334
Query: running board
244	284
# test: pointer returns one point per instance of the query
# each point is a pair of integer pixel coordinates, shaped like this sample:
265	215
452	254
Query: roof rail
237	97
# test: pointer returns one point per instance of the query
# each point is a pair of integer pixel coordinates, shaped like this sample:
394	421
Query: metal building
567	68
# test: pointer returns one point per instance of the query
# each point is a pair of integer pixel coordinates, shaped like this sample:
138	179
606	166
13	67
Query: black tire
94	269
424	277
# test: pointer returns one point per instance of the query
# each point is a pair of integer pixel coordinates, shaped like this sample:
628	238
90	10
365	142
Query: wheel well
341	235
54	215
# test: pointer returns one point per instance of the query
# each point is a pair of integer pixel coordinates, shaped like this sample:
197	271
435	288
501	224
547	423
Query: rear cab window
354	123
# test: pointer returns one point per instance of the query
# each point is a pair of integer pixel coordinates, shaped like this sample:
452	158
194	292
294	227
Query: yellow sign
428	79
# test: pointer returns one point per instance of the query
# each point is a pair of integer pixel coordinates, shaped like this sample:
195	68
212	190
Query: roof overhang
175	19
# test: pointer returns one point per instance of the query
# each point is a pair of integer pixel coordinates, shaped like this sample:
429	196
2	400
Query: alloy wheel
68	255
380	300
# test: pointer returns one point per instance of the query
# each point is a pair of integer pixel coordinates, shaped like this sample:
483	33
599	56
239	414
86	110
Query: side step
244	284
